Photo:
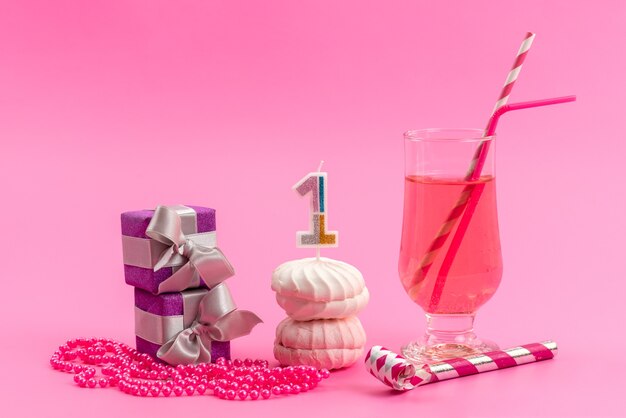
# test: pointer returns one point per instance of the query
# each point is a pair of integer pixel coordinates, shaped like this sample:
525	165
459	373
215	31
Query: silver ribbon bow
209	263
218	320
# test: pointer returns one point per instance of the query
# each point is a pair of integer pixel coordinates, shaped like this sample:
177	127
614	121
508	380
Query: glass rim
447	134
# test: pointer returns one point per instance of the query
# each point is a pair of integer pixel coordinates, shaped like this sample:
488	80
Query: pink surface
117	105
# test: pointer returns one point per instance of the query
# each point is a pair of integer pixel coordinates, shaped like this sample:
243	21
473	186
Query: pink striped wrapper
395	371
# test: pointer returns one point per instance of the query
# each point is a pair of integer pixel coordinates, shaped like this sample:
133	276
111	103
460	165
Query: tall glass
449	286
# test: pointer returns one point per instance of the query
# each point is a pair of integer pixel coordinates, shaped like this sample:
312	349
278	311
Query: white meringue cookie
312	288
323	343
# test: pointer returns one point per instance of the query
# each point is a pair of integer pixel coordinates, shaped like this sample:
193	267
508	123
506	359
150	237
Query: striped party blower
433	250
395	371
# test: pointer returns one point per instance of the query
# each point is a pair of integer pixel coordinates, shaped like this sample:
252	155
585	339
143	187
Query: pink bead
154	391
201	388
324	373
103	382
265	393
276	390
254	394
143	390
230	394
190	390
166	391
243	394
178	390
91	382
304	387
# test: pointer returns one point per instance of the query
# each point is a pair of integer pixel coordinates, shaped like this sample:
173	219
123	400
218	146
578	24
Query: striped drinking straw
472	174
504	94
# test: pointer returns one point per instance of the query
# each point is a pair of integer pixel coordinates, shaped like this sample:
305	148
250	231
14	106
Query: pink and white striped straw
442	235
505	93
400	374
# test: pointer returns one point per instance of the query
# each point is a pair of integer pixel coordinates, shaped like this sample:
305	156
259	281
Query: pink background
107	106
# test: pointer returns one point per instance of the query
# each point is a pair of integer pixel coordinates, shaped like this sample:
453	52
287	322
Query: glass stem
449	329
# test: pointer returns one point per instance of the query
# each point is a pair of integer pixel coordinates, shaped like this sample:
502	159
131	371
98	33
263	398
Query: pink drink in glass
477	268
437	192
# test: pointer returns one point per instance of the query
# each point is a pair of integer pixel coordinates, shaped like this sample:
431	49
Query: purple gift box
141	253
159	318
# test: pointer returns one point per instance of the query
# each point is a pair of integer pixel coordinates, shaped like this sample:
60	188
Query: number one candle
315	185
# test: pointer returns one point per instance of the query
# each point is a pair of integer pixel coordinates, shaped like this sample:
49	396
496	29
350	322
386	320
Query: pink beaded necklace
139	374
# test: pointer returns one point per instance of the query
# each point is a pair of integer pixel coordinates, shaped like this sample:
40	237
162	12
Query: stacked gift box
184	312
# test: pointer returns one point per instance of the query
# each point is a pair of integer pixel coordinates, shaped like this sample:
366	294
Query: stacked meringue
321	296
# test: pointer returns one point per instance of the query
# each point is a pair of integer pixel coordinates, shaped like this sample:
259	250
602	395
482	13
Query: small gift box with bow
184	314
172	248
193	326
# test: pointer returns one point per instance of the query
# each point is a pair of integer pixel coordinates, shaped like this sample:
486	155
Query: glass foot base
447	336
419	353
